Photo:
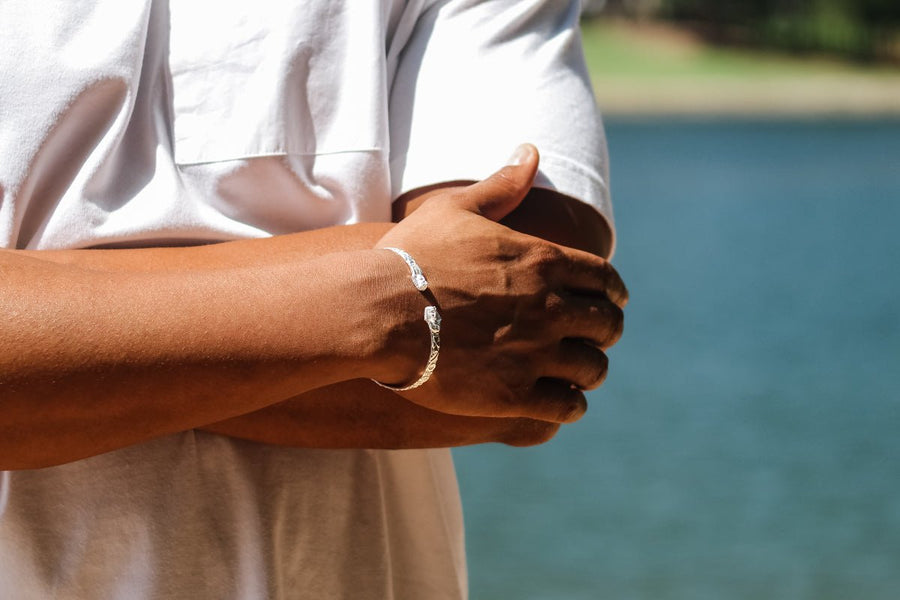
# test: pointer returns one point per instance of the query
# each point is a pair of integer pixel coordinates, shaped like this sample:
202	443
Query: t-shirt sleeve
477	78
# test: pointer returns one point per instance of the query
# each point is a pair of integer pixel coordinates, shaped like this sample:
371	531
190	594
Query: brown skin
359	414
538	318
164	340
341	415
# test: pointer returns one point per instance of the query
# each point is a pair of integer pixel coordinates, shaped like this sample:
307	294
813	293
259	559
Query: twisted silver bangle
432	318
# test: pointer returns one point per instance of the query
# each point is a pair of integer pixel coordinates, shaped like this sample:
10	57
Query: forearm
239	253
103	349
351	414
189	337
360	414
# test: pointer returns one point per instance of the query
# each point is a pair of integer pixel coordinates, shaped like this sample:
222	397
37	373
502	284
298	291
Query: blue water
747	442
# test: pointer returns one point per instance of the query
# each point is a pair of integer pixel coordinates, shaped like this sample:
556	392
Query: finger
587	273
588	317
579	364
499	194
556	401
523	432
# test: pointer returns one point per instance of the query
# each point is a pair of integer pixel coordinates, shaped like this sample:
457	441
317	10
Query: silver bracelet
418	278
432	318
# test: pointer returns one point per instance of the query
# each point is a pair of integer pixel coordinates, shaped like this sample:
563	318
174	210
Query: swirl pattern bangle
432	319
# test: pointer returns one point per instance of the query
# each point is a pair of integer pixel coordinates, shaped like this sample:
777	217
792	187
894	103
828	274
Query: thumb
499	194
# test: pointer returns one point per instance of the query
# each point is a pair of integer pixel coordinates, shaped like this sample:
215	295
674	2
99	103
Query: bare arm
105	354
93	359
356	413
359	414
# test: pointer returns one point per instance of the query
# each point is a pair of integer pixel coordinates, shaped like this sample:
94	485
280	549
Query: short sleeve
477	78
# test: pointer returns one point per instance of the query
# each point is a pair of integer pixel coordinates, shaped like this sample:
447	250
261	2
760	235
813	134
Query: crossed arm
251	339
360	414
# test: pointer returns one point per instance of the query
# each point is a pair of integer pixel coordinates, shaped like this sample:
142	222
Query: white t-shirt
146	122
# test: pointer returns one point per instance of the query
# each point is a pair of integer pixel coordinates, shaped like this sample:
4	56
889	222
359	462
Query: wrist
402	338
432	318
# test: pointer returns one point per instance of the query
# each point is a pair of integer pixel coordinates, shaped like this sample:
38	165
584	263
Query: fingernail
520	155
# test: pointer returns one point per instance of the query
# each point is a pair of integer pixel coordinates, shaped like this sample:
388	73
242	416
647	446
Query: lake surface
747	442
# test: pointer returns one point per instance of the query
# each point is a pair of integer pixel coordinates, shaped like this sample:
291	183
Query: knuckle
511	401
615	326
555	309
545	258
530	432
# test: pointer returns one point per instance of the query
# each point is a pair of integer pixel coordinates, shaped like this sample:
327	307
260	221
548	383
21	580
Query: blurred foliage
866	30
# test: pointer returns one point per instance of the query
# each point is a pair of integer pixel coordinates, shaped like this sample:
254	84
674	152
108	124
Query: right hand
525	321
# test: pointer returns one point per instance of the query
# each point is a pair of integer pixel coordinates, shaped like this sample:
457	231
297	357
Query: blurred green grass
653	68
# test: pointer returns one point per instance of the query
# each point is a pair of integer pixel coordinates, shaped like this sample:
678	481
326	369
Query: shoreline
658	70
848	98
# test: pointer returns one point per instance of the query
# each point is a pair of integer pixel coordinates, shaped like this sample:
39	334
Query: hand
525	321
358	414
